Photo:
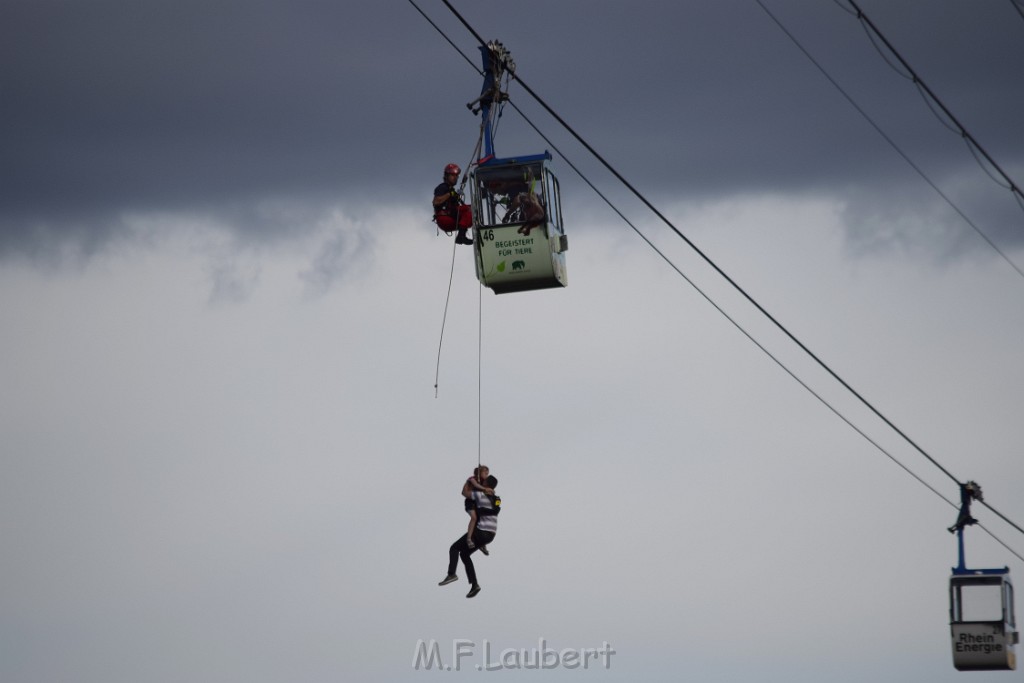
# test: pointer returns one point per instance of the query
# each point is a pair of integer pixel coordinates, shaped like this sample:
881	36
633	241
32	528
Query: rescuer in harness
450	213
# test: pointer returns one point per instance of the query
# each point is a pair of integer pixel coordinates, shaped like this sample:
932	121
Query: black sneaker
448	579
473	591
484	550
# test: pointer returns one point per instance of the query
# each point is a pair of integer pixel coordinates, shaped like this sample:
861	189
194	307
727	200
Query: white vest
484	522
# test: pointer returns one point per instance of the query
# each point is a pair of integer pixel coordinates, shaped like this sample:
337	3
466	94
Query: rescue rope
451	273
444	318
479	375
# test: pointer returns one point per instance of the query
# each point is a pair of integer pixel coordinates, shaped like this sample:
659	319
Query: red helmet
452	168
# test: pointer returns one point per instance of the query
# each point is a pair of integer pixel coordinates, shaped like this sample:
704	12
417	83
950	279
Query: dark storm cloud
165	103
112	107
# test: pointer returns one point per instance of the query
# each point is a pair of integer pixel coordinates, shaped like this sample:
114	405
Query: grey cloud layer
112	107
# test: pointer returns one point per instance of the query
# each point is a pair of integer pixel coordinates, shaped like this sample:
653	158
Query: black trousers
461	549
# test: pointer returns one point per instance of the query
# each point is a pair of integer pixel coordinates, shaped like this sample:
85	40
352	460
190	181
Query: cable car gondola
519	237
981	615
520	242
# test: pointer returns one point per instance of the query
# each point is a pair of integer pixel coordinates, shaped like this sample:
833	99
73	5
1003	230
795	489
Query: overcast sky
222	295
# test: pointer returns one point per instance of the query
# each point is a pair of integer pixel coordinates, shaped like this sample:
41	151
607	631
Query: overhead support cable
715	266
711	262
892	143
933	98
1019	6
739	289
1003	517
700	291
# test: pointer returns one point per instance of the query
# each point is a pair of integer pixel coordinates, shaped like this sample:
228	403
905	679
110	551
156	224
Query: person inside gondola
523	205
531	211
450	213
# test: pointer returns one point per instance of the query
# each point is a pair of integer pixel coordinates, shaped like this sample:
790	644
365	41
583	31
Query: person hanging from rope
480	481
450	212
487	508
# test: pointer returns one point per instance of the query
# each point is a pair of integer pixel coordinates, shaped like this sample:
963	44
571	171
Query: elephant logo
518	265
